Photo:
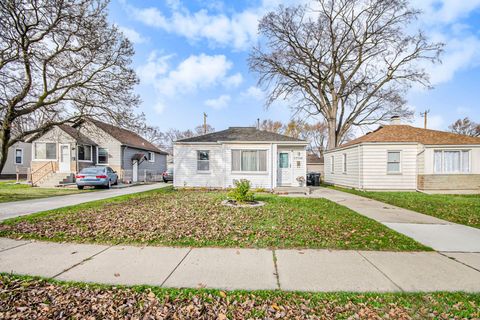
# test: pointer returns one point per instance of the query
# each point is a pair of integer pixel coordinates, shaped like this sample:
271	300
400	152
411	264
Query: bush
242	192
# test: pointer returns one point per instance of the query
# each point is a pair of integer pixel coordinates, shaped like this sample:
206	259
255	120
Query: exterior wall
220	174
157	166
10	168
104	140
58	136
375	175
352	177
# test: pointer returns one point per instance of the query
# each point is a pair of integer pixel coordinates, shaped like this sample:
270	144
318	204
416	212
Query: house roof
314	159
241	134
127	137
406	133
77	135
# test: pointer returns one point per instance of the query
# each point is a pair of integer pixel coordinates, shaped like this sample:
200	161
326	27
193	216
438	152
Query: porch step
291	190
56	179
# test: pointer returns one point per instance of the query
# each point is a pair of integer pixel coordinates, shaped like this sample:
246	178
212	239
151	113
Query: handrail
45	174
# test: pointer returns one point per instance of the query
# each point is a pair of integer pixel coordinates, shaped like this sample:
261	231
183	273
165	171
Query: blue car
97	177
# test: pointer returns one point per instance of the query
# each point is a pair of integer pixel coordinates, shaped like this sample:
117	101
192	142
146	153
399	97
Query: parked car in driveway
167	175
96	176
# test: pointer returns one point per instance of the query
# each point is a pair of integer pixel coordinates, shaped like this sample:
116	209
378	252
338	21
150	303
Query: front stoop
291	190
57	179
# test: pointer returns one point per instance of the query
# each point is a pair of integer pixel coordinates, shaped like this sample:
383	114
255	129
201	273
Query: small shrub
242	192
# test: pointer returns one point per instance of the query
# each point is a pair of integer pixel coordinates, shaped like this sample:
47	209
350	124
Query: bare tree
61	61
349	61
465	126
271	126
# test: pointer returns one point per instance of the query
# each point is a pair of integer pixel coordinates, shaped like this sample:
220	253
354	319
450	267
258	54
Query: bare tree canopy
349	61
465	126
60	61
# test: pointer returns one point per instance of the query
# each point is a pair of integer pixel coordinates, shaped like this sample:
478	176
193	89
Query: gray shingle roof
241	134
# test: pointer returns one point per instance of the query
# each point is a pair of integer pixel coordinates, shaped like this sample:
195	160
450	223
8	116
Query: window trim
91	152
197	160
400	161
152	158
344	163
15	156
461	151
258	162
108	158
34	156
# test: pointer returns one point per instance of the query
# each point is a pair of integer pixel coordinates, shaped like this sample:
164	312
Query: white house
268	160
402	157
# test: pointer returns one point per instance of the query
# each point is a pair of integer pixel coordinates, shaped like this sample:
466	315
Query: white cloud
156	66
445	11
195	72
218	103
254	93
159	107
234	81
133	35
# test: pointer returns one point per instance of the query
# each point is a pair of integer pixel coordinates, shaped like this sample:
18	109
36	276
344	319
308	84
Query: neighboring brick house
402	157
64	150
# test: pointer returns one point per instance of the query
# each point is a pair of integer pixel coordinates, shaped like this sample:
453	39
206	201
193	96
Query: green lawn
10	191
35	298
196	218
462	209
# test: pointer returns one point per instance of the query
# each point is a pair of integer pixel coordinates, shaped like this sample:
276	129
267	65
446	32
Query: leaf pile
193	218
32	298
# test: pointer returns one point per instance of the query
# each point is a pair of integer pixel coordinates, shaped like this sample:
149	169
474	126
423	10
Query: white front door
135	171
64	159
284	171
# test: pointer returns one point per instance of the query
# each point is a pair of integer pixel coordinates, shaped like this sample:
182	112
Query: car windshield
92	170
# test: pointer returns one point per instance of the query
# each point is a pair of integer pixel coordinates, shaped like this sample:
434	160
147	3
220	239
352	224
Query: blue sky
191	57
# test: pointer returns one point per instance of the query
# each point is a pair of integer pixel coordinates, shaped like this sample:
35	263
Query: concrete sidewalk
20	208
249	269
436	233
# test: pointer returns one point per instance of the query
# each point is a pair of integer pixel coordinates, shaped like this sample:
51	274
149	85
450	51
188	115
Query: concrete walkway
249	269
438	234
20	208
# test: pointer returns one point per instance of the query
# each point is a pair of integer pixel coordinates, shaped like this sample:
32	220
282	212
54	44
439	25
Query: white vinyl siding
344	167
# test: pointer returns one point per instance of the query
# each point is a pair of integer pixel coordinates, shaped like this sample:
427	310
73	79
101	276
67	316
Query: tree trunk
5	136
332	133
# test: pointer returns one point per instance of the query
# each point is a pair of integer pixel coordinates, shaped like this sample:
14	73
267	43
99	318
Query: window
84	153
151	157
451	161
102	155
45	151
393	162
250	160
344	162
18	156
203	160
332	164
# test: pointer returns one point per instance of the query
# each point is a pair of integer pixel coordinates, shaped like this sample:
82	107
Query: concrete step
291	190
56	179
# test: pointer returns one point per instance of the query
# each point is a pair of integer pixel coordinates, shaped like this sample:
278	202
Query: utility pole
205	123
425	116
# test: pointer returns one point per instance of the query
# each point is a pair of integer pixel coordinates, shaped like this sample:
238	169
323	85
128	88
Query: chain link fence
143	175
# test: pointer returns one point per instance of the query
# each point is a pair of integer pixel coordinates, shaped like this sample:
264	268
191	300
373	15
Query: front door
64	159
284	171
135	171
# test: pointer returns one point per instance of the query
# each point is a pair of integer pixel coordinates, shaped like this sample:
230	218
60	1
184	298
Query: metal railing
43	171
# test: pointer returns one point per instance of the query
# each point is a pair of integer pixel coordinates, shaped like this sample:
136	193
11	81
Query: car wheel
80	187
116	182
109	184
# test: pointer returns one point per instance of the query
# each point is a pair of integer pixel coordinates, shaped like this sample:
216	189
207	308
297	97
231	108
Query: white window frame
197	160
91	153
399	163
332	164
344	163
108	158
34	146
461	151
151	156
15	156
258	162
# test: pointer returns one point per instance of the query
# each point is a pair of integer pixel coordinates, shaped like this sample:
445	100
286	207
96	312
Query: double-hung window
203	160
451	161
102	155
332	164
393	162
18	156
344	159
45	151
84	153
151	157
249	160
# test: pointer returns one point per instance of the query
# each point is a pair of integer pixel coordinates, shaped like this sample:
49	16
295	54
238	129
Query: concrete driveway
20	208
